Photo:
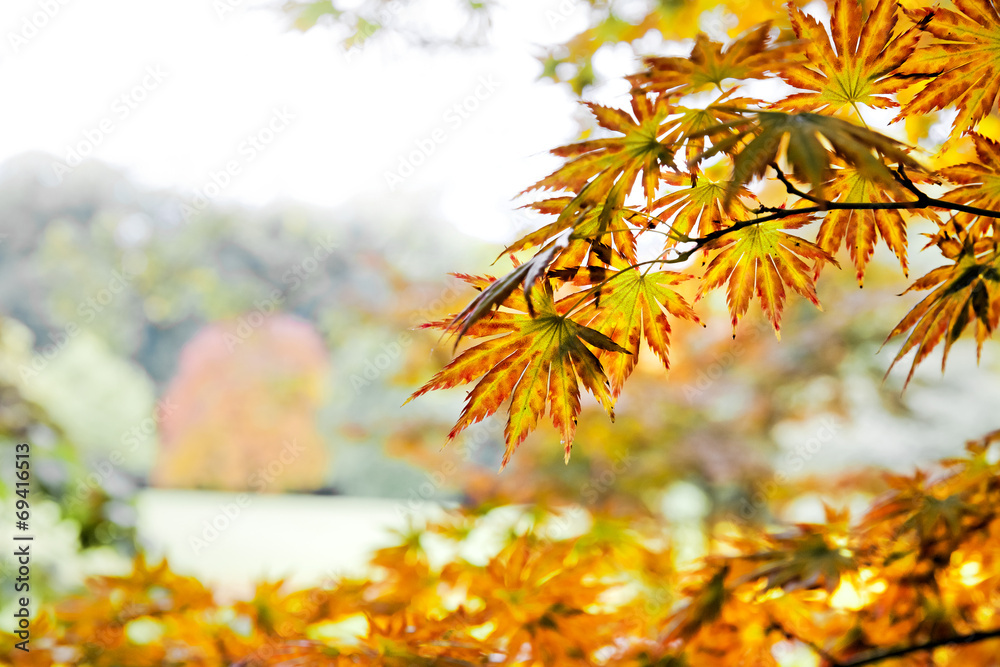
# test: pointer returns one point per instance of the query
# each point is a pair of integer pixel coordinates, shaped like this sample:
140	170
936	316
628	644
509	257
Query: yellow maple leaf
859	65
534	361
964	58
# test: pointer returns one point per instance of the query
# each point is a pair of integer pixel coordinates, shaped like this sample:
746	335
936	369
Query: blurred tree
244	408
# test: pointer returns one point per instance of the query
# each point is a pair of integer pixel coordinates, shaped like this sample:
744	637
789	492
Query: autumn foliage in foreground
917	576
674	166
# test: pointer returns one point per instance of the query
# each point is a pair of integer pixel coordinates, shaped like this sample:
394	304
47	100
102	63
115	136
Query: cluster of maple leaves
916	576
575	312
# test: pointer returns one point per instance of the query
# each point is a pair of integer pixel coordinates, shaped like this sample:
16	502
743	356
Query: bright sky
175	94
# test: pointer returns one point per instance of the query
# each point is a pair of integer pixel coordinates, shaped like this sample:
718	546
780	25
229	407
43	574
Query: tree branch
905	181
878	655
922	200
792	190
822	205
594	289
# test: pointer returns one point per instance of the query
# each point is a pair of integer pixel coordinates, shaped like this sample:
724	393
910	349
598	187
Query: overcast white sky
219	81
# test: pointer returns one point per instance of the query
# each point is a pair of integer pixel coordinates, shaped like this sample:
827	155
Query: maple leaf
857	67
759	259
860	229
934	513
803	138
584	221
705	605
701	208
618	159
968	291
672	20
631	304
711	63
981	185
937	513
686	126
534	361
804	560
965	59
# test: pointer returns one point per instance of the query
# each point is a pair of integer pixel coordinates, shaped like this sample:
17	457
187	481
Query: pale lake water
229	540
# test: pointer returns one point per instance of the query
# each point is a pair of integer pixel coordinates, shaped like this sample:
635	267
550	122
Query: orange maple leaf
621	158
968	291
980	185
860	229
759	260
964	58
534	361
